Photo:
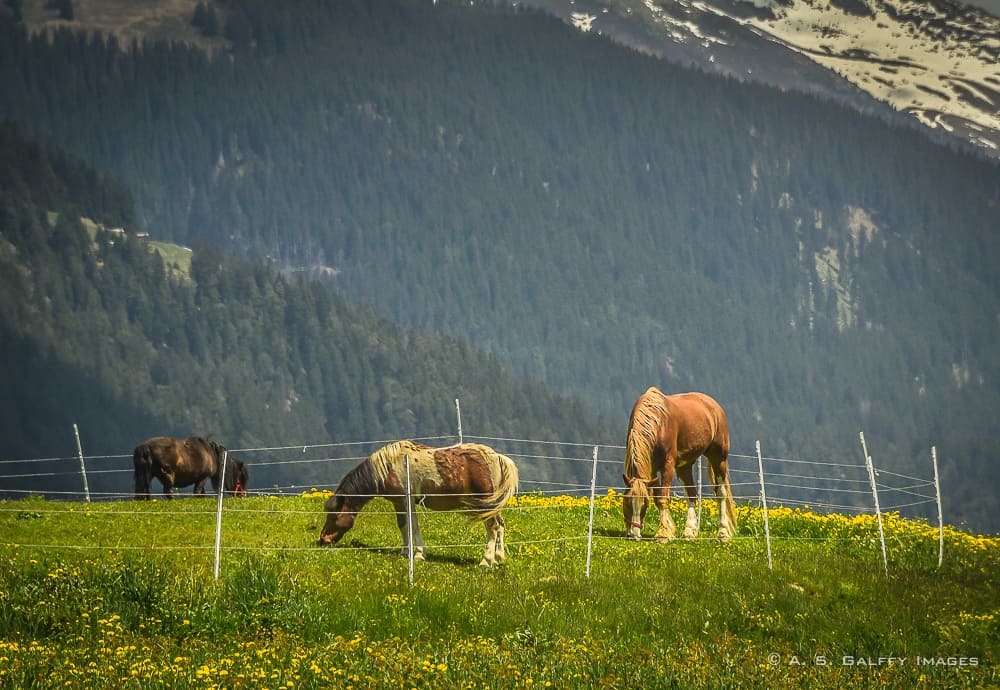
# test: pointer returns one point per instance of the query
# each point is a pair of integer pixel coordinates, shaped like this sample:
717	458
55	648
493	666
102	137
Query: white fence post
937	491
409	515
83	467
590	527
218	512
458	416
878	511
763	505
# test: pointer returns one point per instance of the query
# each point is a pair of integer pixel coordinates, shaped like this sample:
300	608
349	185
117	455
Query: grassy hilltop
122	595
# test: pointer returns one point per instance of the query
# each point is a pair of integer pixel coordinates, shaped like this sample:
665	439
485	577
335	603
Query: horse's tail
218	453
503	489
730	501
142	462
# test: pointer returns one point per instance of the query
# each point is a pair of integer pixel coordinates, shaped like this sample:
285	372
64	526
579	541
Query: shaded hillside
597	219
99	332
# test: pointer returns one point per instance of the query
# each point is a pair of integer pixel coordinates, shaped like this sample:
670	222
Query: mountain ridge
879	56
934	61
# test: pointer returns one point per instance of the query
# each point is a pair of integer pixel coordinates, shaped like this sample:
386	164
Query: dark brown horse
469	476
178	463
668	433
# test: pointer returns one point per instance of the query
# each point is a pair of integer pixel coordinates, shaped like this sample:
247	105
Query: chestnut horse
179	463
468	476
668	433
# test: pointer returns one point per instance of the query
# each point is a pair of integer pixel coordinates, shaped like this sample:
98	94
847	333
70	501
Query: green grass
122	594
176	258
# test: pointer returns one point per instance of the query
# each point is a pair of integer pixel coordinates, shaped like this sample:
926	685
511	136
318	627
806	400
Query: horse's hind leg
142	486
501	540
494	542
686	475
720	485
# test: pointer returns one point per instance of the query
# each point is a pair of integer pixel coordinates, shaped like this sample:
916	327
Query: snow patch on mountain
937	61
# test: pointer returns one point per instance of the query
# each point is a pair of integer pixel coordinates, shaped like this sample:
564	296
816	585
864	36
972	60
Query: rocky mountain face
934	61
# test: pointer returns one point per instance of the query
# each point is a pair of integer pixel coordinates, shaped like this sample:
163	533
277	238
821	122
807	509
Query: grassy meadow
122	595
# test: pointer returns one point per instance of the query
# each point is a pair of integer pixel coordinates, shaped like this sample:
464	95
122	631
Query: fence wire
274	470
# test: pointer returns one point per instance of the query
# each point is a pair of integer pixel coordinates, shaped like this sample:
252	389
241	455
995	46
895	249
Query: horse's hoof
485	564
663	540
690	534
725	537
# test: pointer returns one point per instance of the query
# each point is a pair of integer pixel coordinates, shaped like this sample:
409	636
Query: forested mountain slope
96	330
599	219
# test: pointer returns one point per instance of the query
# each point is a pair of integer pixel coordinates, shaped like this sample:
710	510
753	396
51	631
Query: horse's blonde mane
384	458
647	415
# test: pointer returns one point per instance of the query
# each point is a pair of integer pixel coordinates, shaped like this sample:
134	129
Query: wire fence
547	469
823	486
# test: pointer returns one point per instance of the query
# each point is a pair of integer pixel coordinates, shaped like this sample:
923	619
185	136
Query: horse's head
241	476
340	515
237	477
634	505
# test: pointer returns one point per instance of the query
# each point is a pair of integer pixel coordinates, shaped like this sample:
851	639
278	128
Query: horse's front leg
167	480
667	530
199	487
401	522
691	526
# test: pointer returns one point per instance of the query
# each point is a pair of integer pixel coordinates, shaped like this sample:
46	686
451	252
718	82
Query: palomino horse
667	433
179	463
468	476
